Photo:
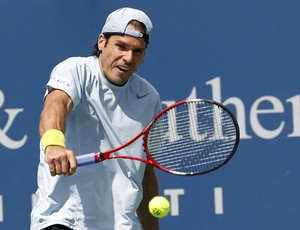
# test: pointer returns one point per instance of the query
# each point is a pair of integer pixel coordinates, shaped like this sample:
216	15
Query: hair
139	25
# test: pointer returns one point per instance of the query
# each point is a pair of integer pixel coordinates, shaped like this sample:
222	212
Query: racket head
192	137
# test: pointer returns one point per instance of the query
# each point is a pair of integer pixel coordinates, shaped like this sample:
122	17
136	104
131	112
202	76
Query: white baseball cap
118	20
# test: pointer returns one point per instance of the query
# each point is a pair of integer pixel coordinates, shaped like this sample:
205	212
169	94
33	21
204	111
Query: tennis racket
190	137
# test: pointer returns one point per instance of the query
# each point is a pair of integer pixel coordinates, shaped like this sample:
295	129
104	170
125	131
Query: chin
118	78
118	82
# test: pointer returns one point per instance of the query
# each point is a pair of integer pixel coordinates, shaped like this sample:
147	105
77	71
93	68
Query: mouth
123	68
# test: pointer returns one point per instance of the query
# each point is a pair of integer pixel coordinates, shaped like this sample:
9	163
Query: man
91	104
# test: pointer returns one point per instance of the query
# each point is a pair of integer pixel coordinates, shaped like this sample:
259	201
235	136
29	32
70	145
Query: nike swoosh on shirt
141	96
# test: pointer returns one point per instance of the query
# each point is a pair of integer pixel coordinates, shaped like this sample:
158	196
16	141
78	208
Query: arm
57	105
150	188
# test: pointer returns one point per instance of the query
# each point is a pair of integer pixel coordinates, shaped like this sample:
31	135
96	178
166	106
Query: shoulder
76	68
76	62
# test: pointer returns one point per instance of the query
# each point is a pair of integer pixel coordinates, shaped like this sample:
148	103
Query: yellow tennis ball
159	206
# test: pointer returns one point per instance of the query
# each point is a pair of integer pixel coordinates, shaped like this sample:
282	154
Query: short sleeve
66	77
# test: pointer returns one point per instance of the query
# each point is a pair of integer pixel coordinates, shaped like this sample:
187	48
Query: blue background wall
243	53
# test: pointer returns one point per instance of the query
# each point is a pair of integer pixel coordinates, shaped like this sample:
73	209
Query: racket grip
87	159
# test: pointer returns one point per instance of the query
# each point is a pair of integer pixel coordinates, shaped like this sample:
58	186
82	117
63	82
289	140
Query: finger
52	169
58	167
72	162
65	166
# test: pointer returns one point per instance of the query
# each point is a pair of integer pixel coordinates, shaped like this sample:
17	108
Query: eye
121	46
139	51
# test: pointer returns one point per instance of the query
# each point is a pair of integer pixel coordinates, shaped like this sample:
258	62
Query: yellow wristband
53	137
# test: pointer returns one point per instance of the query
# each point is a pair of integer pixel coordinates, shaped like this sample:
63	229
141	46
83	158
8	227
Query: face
120	57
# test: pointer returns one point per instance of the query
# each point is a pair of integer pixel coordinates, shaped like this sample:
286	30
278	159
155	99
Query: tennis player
98	103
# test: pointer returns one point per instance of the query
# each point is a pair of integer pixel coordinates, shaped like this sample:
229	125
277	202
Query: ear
101	42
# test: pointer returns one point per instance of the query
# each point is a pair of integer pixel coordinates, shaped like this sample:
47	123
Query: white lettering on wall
218	195
238	103
5	140
295	101
174	199
255	114
257	127
196	134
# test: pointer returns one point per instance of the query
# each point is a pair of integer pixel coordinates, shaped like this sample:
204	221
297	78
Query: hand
60	161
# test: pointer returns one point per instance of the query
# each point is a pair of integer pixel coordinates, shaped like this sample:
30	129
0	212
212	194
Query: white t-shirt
103	196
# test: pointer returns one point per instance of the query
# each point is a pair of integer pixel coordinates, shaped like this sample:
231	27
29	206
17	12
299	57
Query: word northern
256	113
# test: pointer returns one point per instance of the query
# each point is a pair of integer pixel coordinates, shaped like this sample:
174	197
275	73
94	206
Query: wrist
53	137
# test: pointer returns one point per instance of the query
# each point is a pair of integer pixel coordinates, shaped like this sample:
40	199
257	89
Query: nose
128	56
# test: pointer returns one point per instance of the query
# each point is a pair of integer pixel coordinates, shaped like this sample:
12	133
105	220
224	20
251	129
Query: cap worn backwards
118	20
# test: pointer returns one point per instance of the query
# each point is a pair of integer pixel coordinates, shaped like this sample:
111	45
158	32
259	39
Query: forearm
151	189
57	105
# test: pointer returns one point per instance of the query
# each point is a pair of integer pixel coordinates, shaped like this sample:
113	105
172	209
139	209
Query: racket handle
90	158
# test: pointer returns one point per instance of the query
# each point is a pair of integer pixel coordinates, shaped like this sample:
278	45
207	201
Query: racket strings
192	138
